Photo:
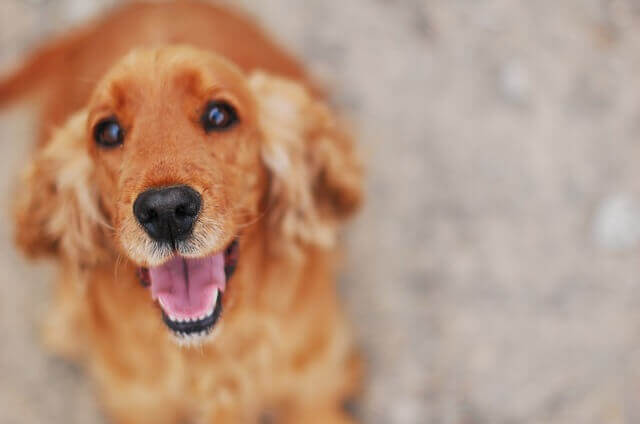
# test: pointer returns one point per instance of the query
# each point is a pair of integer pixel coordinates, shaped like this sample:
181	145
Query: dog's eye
108	133
218	116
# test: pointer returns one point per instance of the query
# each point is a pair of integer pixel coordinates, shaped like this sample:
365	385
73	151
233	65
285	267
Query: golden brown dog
190	183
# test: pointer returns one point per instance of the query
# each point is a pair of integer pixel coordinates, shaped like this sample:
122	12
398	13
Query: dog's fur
282	180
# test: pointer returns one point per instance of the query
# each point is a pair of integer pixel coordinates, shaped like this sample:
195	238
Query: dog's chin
190	292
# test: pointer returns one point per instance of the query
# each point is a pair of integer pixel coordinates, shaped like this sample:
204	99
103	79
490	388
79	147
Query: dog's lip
191	311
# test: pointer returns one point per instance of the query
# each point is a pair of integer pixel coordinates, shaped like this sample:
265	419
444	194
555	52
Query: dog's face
176	148
178	153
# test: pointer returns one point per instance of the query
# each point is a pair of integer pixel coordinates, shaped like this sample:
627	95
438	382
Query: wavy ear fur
316	175
57	210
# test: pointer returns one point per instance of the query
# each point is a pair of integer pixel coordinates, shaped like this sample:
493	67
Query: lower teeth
191	335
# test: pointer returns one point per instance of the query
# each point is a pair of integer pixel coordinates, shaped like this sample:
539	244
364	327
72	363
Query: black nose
167	214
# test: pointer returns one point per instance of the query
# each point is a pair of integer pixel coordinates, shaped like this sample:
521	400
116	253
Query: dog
190	181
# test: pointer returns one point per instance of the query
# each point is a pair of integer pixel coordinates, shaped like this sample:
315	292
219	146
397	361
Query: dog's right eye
108	133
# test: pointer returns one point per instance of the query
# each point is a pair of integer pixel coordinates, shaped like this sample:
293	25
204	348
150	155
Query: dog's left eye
218	116
108	133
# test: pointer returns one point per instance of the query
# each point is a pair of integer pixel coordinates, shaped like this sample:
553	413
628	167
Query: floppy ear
316	175
56	203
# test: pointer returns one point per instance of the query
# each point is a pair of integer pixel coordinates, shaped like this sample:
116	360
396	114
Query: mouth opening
189	291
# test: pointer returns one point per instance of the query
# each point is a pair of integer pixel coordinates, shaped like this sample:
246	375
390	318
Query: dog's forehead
169	71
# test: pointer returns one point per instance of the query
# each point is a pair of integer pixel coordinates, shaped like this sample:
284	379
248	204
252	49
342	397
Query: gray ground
493	276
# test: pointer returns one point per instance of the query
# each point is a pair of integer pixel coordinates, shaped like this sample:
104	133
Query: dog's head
176	156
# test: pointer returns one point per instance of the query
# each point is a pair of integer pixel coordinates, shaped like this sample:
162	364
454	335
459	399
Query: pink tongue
186	287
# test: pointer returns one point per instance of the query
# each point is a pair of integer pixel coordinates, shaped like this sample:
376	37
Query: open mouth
190	290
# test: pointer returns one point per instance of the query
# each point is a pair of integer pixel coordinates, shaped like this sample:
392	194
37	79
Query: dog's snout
167	214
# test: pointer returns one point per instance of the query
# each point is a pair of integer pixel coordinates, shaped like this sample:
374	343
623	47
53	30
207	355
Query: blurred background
493	275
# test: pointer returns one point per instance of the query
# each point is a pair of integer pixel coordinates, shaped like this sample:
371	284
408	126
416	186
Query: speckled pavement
493	275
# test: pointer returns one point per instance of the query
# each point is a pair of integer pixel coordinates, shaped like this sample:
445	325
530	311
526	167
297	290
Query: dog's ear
56	204
316	174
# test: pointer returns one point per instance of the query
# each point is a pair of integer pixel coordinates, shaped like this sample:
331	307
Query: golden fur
282	180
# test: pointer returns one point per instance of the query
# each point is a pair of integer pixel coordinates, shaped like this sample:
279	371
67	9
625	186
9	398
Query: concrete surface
493	276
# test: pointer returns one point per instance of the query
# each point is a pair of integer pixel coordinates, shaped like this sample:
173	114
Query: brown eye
218	116
108	133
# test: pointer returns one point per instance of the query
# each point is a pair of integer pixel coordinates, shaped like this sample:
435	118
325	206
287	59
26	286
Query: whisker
106	225
259	216
117	267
